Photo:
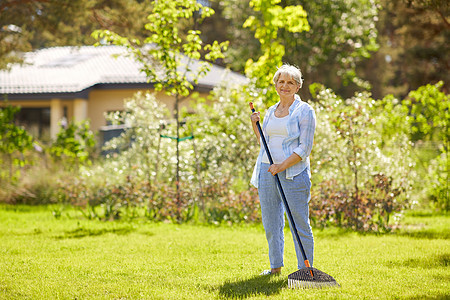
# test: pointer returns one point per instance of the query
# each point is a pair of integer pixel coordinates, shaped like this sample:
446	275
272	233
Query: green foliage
342	34
30	25
268	20
429	121
430	110
226	143
140	175
74	144
424	117
361	178
14	141
163	60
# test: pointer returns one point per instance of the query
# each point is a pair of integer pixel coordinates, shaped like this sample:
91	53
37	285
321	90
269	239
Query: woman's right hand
255	117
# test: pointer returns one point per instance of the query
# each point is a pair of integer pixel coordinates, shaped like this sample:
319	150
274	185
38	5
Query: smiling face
286	86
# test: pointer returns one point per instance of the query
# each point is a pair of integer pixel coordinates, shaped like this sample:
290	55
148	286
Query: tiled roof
74	69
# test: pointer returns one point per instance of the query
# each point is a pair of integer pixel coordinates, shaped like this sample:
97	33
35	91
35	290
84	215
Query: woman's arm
288	162
307	123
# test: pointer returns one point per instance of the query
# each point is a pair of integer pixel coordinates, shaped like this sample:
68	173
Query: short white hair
292	71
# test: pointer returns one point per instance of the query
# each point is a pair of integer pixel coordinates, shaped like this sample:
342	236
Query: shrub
369	209
429	121
14	142
227	145
74	145
227	205
141	175
358	173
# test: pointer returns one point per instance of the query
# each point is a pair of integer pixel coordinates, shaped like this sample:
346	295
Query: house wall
101	101
93	109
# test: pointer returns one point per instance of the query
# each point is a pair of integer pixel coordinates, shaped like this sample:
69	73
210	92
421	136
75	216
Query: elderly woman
288	127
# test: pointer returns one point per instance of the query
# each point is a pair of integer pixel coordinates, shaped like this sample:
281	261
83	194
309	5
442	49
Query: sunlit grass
42	257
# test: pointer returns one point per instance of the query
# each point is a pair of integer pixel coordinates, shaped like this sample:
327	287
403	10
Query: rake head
302	279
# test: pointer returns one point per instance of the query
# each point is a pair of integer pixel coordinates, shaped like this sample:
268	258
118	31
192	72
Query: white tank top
277	132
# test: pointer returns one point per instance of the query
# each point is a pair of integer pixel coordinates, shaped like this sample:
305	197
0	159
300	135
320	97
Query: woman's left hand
290	161
276	168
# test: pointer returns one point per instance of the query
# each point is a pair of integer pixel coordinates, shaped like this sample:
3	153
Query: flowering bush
362	163
227	145
361	177
141	175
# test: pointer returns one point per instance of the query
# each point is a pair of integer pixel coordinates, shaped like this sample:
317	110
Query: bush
227	205
141	175
361	177
429	122
74	145
227	145
14	143
370	209
362	163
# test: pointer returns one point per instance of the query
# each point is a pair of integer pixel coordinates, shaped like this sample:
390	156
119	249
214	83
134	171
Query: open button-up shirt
300	128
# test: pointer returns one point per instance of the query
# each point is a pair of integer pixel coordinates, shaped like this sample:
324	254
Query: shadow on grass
257	285
81	232
425	297
424	234
437	261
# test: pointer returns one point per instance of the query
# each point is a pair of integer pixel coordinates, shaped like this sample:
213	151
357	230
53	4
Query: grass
42	257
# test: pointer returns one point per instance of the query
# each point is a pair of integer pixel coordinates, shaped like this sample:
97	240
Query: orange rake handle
309	266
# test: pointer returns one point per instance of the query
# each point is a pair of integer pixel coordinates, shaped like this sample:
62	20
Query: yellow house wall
99	102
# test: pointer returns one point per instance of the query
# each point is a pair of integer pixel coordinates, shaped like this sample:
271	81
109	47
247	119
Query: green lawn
42	257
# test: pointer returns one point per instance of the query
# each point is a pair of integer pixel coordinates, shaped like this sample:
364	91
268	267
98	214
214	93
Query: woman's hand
288	162
276	168
255	117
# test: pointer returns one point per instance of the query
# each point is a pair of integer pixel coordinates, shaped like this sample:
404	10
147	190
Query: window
36	121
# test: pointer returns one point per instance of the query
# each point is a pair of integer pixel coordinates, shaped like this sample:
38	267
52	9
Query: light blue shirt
300	128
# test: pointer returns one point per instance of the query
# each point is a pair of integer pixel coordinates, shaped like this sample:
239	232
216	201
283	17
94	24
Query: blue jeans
297	192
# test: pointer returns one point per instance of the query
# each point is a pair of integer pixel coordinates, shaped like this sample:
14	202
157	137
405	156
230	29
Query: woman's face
286	85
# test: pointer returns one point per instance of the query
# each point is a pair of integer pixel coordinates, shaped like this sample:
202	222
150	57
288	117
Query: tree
414	48
268	20
28	25
341	34
171	55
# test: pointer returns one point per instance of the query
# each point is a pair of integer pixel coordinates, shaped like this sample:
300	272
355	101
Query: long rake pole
283	197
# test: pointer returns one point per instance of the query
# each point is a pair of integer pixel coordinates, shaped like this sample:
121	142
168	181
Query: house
82	83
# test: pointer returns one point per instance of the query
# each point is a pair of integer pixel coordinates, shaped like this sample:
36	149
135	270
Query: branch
443	18
103	22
